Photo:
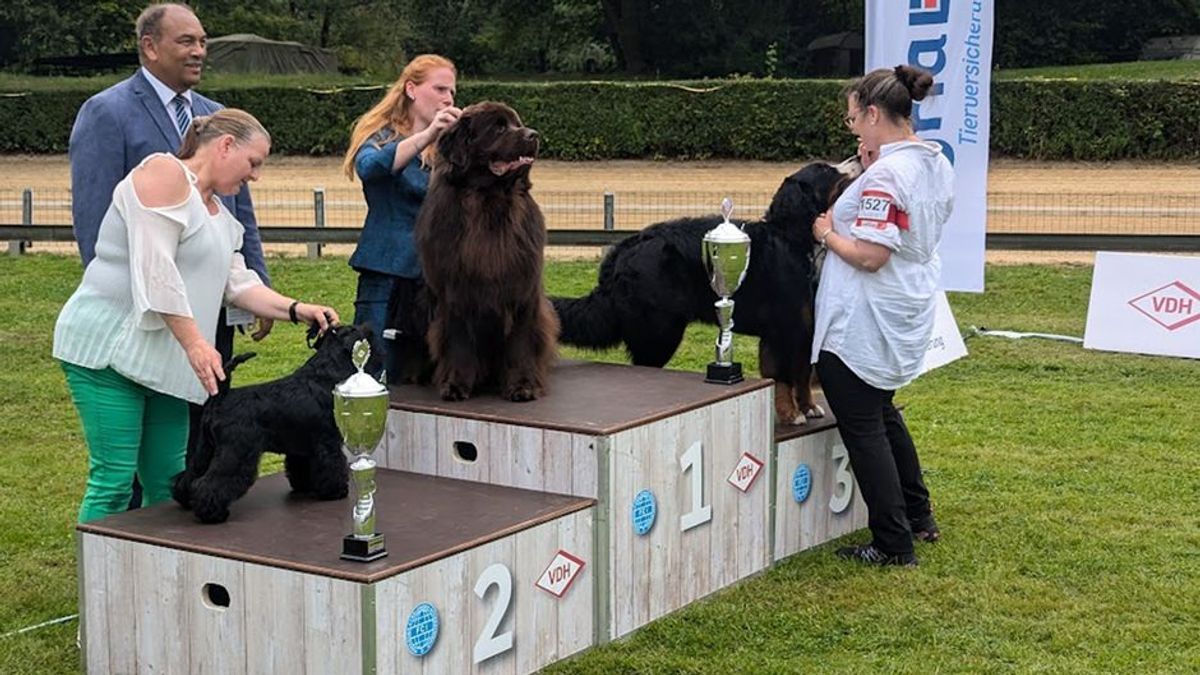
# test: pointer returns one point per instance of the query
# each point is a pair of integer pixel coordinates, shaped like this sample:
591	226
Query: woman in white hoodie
875	303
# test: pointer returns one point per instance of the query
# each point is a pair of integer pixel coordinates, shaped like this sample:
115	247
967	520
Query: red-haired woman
390	149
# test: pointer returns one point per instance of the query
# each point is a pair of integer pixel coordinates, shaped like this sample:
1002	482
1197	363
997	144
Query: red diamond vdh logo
1173	306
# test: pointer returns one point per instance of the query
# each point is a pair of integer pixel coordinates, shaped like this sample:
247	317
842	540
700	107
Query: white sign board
747	469
1145	304
946	343
560	573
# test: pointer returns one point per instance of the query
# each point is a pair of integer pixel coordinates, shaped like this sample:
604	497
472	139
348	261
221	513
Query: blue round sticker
645	509
422	629
801	483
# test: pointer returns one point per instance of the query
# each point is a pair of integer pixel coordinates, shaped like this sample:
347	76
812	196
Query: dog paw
789	415
181	490
454	392
330	494
815	411
212	516
521	392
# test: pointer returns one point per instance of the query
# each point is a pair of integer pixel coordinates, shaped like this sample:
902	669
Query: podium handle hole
215	596
465	452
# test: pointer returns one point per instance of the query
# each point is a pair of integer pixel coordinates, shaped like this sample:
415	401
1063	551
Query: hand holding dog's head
487	144
316	334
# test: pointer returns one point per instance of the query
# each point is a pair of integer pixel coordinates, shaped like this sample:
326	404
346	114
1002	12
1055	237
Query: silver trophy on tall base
360	405
726	257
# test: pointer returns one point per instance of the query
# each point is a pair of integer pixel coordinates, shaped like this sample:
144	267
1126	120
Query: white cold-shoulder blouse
151	261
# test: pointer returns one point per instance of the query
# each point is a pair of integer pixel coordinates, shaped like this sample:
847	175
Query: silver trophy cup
726	257
360	405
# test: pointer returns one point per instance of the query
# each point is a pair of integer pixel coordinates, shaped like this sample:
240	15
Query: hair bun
917	81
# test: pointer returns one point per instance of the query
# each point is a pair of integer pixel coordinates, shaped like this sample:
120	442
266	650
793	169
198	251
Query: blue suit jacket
114	131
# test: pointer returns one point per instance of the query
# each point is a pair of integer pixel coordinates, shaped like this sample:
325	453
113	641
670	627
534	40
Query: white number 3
843	491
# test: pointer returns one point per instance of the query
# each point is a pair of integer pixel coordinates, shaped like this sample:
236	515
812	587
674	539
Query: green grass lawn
1134	70
1138	70
1066	482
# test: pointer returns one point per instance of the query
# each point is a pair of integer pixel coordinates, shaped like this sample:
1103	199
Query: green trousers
129	429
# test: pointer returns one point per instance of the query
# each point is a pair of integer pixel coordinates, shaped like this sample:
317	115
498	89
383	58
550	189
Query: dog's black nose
531	134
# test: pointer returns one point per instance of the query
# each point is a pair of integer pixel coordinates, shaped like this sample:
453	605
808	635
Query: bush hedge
743	119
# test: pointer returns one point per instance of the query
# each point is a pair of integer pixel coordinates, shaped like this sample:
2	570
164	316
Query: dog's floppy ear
795	204
315	337
454	147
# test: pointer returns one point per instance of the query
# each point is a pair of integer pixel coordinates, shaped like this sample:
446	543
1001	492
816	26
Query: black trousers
882	454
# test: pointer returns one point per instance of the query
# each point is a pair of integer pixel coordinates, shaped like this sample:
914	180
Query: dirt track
1023	196
1005	176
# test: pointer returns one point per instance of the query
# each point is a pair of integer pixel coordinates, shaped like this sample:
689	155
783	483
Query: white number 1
694	459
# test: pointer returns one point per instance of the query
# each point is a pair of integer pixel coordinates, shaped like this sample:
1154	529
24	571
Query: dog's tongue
501	168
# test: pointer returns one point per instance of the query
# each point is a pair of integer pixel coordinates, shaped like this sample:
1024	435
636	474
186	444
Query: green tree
1063	32
541	36
32	29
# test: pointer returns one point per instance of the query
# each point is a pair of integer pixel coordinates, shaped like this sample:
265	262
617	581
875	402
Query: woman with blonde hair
390	149
136	338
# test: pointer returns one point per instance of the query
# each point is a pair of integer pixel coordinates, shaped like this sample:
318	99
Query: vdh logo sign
1172	306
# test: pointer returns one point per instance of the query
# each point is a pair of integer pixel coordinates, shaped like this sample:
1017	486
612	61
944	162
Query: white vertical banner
953	40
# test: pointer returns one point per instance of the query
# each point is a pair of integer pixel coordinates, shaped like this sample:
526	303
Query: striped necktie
183	114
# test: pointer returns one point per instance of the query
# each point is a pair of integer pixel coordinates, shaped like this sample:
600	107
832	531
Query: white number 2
489	644
693	459
843	491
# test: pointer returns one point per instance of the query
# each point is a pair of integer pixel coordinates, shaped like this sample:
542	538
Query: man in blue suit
148	113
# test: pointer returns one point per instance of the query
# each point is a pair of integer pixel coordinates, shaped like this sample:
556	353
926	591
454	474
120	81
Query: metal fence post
17	246
609	210
314	248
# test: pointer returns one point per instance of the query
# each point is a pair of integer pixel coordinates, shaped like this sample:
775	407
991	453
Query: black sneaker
925	530
867	553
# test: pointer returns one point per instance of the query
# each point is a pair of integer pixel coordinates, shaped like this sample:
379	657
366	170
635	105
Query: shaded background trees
654	38
1056	32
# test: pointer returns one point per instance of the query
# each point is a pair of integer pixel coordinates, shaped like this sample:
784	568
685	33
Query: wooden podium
662	443
518	534
472	582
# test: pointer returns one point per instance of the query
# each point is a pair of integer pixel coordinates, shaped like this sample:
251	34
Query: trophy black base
363	550
718	373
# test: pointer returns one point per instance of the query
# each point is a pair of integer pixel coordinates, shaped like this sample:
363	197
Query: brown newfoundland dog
481	237
653	284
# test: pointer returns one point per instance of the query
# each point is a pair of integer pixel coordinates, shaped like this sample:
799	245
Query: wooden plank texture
801	526
543	628
422	517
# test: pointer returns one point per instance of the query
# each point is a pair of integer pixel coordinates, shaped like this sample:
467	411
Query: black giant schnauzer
292	416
